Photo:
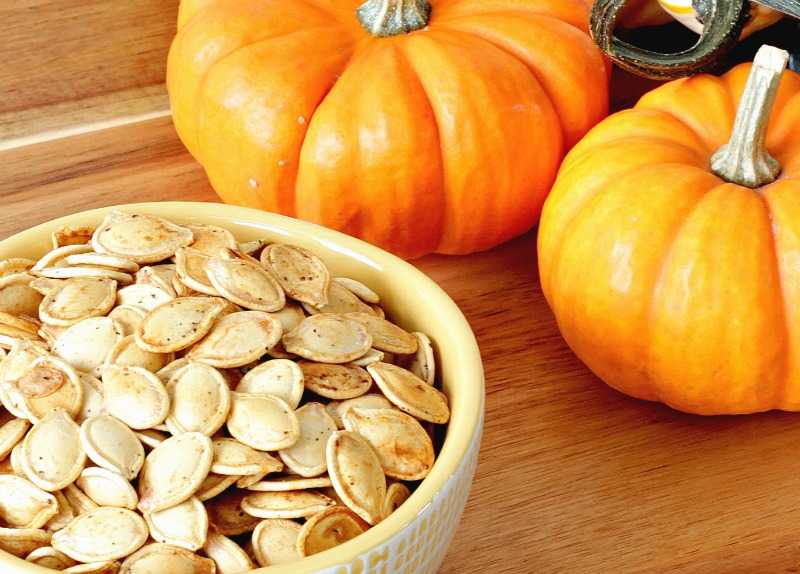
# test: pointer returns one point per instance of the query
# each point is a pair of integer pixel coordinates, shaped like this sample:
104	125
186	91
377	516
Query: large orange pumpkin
667	280
441	136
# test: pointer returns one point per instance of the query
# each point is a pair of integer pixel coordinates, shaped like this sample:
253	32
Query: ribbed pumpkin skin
670	284
442	140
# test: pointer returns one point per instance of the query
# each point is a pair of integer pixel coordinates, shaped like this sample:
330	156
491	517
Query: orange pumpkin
439	129
673	269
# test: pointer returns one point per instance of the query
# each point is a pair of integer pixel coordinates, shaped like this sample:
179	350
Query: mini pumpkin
671	259
419	126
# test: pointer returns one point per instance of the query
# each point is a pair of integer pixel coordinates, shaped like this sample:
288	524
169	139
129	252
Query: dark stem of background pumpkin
744	159
721	29
393	17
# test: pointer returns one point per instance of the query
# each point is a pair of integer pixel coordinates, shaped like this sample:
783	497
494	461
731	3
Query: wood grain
67	61
573	476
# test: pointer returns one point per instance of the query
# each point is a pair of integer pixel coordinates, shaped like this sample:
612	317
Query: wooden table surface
574	477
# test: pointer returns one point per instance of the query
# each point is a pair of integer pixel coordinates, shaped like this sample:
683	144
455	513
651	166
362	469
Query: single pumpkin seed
287	483
386	336
328	529
23	504
238	339
278	377
102	260
263	422
29	325
111	444
410	393
160	276
250	479
151	437
403	446
52	456
22	541
356	473
17	296
127	318
15	265
50	384
143	296
275	542
123	532
396	494
86	272
226	514
209	239
335	381
340	300
11	433
107	488
234	458
178	324
78	501
199	399
337	409
229	557
245	283
306	457
371	356
423	363
184	525
141	238
49	557
126	353
292	504
191	267
135	396
359	289
174	471
328	338
301	274
71	235
213	485
54	256
86	344
166	558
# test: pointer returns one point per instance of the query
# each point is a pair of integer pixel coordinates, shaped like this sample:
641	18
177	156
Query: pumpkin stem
745	159
724	21
393	17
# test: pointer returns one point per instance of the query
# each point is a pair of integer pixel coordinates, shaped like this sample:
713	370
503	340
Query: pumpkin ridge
780	398
535	72
568	227
662	267
492	211
201	85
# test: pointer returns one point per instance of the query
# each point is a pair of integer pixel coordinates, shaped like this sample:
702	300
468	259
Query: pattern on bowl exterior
414	539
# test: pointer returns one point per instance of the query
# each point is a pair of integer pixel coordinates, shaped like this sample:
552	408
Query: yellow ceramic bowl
414	539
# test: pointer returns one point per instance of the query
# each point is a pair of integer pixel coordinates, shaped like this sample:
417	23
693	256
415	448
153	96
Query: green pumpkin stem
393	17
745	159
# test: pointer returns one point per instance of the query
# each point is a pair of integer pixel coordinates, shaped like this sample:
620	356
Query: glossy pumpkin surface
669	283
446	139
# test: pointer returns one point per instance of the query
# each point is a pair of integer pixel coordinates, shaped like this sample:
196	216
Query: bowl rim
457	443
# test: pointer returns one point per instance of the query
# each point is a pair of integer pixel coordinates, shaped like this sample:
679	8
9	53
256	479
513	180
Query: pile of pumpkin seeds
176	400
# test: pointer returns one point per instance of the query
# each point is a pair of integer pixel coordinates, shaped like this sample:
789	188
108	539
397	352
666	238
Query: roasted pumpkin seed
184	525
278	377
236	459
107	488
178	324
23	504
111	444
238	339
292	504
52	456
275	542
328	338
135	396
199	400
141	238
226	554
410	393
247	284
306	457
356	473
301	274
335	381
328	529
159	557
262	422
123	530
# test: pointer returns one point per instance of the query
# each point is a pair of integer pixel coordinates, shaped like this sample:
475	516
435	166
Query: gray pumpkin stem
745	159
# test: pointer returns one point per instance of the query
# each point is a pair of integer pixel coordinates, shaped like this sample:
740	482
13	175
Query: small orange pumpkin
417	126
673	269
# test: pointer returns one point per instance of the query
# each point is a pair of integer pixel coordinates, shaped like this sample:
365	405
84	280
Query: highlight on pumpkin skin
659	273
443	139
